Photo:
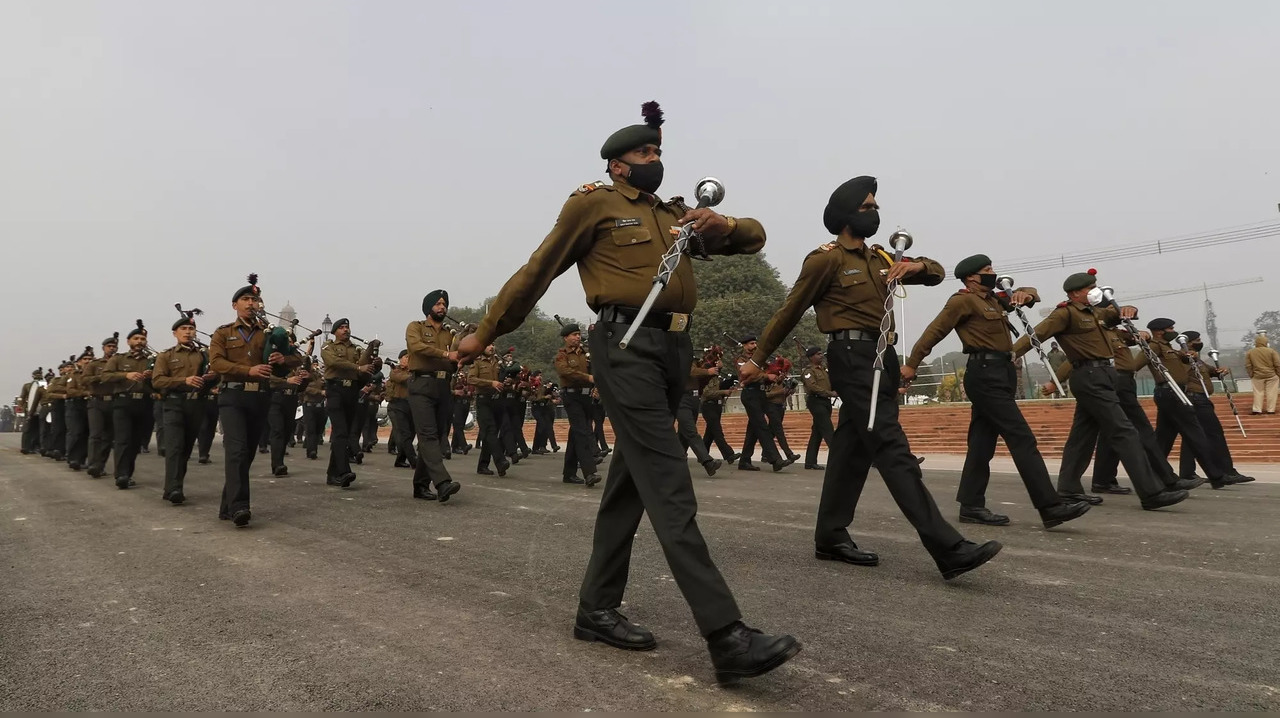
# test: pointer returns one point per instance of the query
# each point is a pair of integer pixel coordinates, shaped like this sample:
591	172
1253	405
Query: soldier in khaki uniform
1199	390
576	384
345	367
616	235
432	362
818	396
313	413
101	394
979	316
758	429
56	395
131	411
543	412
687	414
29	401
1262	364
714	395
78	412
180	375
846	282
280	413
236	355
402	428
1079	327
484	380
461	406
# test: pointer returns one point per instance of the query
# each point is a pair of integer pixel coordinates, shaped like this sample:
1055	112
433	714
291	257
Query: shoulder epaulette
963	290
828	246
228	324
1063	305
590	187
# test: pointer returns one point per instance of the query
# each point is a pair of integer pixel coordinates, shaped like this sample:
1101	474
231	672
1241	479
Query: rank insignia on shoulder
591	186
1062	305
828	246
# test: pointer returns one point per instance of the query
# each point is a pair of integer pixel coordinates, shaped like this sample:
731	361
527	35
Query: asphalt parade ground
367	599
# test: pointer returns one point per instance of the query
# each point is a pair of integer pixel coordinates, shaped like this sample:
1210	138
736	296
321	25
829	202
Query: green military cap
1080	280
629	138
568	329
971	265
250	288
140	329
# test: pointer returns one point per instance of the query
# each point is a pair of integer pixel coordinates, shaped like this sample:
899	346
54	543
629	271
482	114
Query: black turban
845	201
432	297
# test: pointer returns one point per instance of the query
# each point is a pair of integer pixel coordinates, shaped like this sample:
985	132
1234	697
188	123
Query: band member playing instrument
402	428
432	362
78	395
714	394
180	375
344	368
687	414
101	431
979	316
236	355
1078	326
484	379
576	384
131	412
847	283
818	396
754	401
616	234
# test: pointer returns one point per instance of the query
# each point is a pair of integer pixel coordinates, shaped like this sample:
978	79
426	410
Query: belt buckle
679	322
251	386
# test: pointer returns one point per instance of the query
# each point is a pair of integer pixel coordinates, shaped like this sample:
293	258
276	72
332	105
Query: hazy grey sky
359	154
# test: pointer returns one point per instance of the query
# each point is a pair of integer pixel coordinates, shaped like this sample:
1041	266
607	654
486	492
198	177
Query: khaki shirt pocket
634	246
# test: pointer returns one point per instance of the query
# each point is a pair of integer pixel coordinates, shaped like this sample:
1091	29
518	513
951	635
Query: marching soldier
1175	418
180	375
209	426
576	383
235	354
758	429
1079	328
714	395
130	374
598	414
56	395
484	379
431	364
101	394
846	282
402	429
775	408
461	406
979	317
616	235
313	413
280	412
367	416
817	399
344	368
1199	390
687	414
78	413
544	415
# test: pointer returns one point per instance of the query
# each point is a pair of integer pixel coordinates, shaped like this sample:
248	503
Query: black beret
432	297
183	321
1080	280
971	265
1191	336
629	138
812	351
137	330
845	201
747	339
250	288
86	354
403	352
343	322
568	329
37	373
1159	324
111	341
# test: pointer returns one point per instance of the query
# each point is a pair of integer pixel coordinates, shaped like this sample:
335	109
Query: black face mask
646	178
987	280
1198	346
864	224
1169	336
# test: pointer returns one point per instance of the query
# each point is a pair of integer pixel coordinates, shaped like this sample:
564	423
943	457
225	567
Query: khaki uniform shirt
1127	356
98	386
698	376
341	360
57	389
1176	362
846	285
1080	330
616	235
26	394
571	365
398	384
429	347
314	390
817	382
173	368
236	348
977	317
77	385
777	393
120	365
484	371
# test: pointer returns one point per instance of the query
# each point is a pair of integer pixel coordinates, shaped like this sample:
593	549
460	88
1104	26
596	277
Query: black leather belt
242	385
133	395
288	392
1078	363
183	396
431	374
990	356
576	390
313	404
666	321
103	398
339	382
860	335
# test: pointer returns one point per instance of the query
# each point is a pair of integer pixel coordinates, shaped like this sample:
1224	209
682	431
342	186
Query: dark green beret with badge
971	265
568	329
629	138
1080	280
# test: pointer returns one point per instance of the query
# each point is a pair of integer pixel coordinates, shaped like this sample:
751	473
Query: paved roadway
366	599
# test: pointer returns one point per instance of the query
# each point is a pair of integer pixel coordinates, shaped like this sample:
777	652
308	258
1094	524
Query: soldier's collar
632	193
851	245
